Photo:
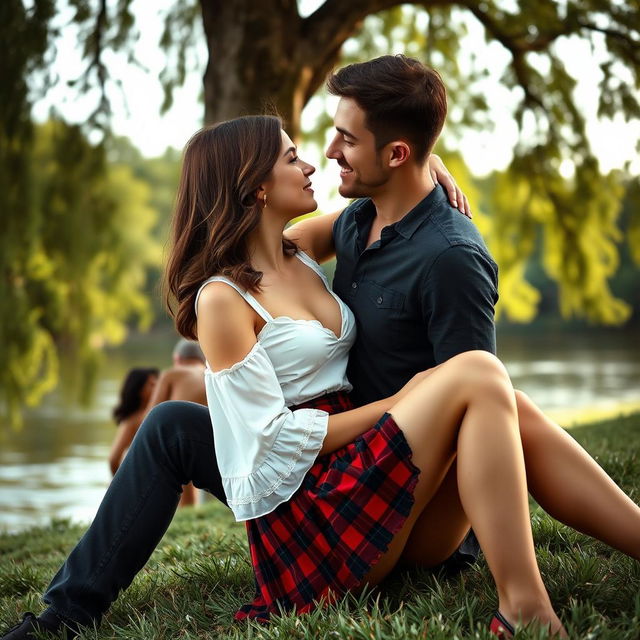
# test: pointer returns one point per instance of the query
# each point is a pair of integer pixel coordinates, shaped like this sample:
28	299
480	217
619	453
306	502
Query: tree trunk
263	55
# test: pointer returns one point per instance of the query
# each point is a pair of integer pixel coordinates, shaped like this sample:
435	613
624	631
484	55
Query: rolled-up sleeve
458	299
263	448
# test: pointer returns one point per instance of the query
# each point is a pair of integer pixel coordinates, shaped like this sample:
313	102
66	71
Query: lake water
56	465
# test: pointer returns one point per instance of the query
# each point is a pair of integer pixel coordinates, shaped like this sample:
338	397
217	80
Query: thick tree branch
518	44
327	28
325	31
522	41
631	44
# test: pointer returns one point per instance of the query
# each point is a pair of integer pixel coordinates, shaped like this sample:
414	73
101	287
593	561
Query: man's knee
174	418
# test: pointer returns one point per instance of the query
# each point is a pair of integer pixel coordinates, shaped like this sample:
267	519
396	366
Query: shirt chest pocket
387	305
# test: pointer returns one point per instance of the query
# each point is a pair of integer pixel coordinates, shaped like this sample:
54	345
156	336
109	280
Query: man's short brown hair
401	97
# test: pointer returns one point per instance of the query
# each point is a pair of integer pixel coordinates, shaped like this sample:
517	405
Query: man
184	381
422	287
417	276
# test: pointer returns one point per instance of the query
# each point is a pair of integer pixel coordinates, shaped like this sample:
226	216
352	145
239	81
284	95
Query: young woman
135	393
330	493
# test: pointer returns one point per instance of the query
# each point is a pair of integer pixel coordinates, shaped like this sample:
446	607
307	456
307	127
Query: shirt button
379	300
354	285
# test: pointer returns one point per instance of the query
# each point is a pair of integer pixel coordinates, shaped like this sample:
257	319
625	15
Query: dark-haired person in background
135	394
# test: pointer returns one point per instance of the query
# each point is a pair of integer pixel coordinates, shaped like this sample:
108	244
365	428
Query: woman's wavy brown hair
216	208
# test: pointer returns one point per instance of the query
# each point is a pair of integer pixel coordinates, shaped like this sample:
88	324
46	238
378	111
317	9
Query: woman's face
288	189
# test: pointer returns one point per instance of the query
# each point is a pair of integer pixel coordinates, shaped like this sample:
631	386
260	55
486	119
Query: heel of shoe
501	627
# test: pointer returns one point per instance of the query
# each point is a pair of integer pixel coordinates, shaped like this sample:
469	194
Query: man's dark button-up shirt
421	294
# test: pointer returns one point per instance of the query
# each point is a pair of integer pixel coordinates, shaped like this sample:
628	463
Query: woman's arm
346	427
440	175
315	236
226	326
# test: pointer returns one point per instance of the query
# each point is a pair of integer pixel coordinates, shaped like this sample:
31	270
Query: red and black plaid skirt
327	536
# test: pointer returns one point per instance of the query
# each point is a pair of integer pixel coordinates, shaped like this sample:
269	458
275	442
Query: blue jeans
174	446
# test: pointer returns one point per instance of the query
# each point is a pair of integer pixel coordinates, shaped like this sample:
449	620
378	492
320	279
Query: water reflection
56	466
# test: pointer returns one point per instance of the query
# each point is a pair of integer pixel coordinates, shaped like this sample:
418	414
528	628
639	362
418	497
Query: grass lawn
200	574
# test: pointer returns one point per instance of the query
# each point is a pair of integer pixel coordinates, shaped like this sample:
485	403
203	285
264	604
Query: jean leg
173	446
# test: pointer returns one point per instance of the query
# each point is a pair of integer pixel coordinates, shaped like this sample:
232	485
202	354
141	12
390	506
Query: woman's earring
264	199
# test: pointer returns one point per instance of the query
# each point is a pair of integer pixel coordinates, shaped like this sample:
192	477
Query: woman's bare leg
440	528
407	548
467	409
569	484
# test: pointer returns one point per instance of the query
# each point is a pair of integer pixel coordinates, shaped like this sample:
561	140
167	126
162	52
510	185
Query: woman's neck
265	246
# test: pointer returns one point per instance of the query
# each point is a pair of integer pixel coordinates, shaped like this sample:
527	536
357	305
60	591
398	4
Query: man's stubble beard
361	189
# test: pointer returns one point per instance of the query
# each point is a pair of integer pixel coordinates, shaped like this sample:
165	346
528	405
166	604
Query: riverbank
200	574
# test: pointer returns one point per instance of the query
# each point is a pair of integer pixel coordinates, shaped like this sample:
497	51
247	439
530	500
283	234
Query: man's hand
441	175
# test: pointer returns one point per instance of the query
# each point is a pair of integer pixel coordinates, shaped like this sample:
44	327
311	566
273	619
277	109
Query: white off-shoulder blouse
263	448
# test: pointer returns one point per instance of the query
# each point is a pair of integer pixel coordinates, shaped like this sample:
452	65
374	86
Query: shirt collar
408	224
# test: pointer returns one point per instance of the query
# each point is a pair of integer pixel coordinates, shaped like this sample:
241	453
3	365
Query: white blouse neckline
271	320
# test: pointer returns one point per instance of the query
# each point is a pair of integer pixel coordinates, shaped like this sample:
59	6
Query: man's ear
399	153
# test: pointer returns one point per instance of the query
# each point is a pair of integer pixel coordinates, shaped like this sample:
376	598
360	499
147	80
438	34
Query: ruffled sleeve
263	448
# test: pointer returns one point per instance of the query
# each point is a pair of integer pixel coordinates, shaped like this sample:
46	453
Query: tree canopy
76	244
268	53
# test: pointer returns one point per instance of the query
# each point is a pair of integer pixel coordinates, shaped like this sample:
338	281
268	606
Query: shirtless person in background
183	381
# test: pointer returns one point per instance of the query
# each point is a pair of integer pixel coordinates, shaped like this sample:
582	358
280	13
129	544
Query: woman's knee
481	371
524	403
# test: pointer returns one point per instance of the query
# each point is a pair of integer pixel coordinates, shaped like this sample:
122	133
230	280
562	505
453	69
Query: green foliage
160	175
26	352
632	211
579	222
200	574
78	265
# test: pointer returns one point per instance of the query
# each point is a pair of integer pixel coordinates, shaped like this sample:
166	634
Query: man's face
353	147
